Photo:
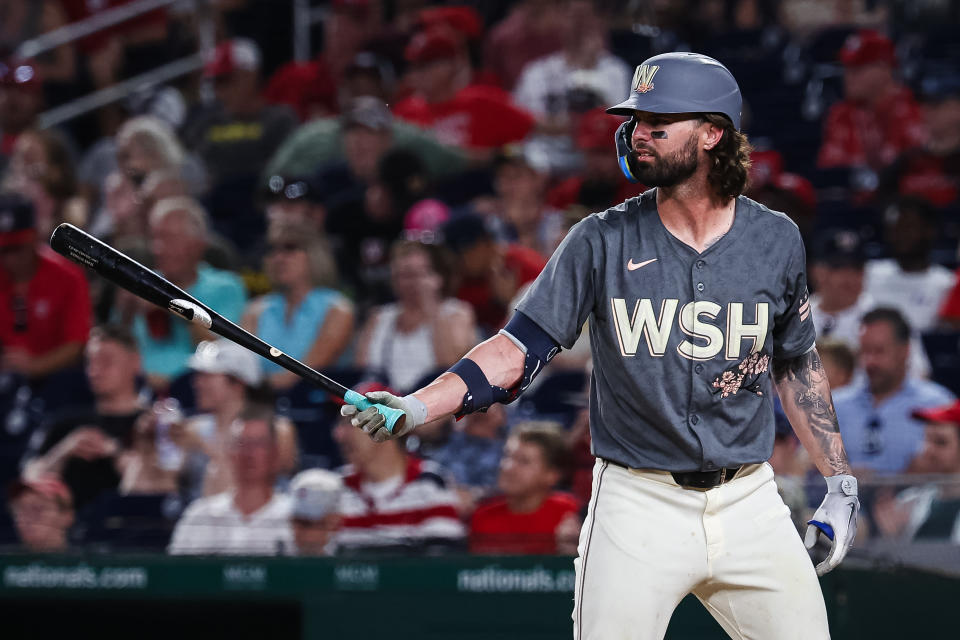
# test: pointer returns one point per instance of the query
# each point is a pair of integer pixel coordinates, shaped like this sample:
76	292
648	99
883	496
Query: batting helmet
677	83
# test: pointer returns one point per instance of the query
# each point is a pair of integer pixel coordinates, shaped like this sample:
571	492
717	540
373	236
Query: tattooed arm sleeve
805	395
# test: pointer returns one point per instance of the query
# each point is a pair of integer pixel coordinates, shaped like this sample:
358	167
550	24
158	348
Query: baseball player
697	300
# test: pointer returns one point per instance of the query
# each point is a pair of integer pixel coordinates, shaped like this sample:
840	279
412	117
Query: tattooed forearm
805	395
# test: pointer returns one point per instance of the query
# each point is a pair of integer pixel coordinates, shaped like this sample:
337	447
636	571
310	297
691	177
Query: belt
697	479
705	479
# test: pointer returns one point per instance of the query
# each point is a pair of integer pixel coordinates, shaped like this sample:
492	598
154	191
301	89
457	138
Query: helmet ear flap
625	149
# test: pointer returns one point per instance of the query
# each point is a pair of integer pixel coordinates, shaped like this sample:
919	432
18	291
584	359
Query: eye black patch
658	135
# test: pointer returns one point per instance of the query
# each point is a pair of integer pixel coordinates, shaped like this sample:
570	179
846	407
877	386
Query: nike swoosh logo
633	266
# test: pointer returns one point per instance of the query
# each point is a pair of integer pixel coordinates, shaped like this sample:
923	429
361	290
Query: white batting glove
374	424
836	519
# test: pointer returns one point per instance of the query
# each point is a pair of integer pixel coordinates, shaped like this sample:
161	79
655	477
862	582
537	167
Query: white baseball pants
647	543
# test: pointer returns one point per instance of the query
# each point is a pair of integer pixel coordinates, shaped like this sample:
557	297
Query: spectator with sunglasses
304	316
875	414
44	299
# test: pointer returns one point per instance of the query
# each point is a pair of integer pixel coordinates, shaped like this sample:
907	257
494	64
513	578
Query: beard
671	170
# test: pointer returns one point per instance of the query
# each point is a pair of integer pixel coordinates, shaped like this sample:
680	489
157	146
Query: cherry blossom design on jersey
743	375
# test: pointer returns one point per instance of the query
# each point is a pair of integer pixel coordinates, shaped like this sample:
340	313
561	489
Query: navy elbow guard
538	348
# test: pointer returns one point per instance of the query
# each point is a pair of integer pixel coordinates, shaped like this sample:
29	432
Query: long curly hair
730	158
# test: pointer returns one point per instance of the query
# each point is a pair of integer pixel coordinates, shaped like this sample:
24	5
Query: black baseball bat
124	271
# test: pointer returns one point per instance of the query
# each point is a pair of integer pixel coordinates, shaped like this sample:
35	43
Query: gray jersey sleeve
563	295
792	334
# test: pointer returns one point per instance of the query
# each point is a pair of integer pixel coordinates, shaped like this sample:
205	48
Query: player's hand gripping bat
125	272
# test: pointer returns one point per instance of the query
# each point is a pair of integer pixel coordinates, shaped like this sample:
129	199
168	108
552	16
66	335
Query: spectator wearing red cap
599	184
929	512
458	113
42	513
21	98
392	500
878	117
529	31
461	18
44	299
314	88
468	24
558	88
236	138
530	517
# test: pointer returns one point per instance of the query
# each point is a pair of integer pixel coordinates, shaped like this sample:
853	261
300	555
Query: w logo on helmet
643	77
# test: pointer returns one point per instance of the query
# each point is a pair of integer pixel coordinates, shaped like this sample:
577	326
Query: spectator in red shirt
599	184
478	117
45	310
530	517
878	117
314	88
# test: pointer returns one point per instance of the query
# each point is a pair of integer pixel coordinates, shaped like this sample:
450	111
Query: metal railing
104	20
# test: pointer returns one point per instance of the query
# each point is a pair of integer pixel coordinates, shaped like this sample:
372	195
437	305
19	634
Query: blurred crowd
374	211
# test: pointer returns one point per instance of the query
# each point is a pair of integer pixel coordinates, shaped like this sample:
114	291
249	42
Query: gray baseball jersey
681	341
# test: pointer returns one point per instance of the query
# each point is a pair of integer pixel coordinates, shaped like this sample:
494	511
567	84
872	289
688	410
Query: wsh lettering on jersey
707	338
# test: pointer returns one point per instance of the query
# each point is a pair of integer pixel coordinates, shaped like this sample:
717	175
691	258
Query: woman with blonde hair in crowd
146	148
304	316
425	330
